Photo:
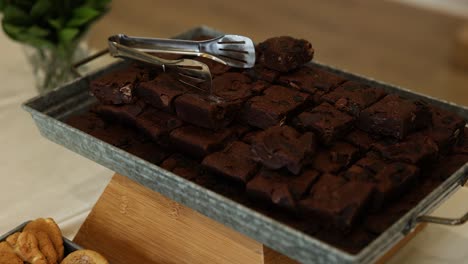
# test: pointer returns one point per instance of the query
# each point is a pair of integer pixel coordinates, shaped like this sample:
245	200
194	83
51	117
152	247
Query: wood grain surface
385	40
132	224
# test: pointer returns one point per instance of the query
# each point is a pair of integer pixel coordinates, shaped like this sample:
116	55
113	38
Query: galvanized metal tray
49	111
69	246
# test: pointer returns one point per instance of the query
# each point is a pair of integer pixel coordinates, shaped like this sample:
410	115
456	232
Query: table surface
401	45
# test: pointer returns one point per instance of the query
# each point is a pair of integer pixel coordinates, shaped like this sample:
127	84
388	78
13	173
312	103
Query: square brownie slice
446	166
161	92
282	146
389	178
334	159
216	68
124	114
234	162
395	116
157	124
118	87
199	142
360	139
260	73
415	149
281	188
182	166
326	121
337	201
216	111
311	80
206	111
446	129
232	86
273	106
352	97
147	150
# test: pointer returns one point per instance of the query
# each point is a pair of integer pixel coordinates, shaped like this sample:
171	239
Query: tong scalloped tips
232	50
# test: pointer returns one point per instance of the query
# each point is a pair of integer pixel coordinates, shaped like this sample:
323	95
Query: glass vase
53	67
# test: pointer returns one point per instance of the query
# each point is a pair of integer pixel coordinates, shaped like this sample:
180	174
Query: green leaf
67	35
55	23
98	4
13	31
2	5
82	16
36	42
37	31
16	16
40	8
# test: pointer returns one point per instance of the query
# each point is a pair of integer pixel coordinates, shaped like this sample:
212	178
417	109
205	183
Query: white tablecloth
38	178
42	179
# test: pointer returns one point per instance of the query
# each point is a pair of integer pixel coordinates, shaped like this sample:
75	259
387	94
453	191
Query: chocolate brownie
260	72
259	86
182	166
352	97
282	146
395	116
360	139
199	142
230	90
147	150
334	200
390	179
250	136
326	121
311	80
157	124
233	162
284	53
161	92
273	106
446	129
462	146
216	68
446	166
337	157
415	149
232	86
125	114
118	87
206	111
87	123
281	188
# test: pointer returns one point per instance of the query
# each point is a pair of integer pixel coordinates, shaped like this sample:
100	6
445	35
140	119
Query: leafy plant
50	24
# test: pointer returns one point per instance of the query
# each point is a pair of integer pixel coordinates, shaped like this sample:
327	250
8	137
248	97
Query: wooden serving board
133	224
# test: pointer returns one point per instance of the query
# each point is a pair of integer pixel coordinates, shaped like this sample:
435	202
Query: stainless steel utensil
190	72
232	50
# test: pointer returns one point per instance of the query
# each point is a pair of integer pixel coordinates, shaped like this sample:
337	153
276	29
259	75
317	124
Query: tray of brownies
317	163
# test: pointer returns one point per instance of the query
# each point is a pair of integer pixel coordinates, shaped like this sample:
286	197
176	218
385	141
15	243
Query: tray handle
88	59
442	220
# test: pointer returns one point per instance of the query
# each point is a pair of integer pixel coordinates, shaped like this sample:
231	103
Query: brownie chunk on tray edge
395	116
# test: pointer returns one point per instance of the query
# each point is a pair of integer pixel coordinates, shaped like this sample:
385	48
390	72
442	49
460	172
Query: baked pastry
48	226
84	256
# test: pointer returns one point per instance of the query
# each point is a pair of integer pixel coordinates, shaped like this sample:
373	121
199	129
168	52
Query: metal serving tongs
190	72
232	50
